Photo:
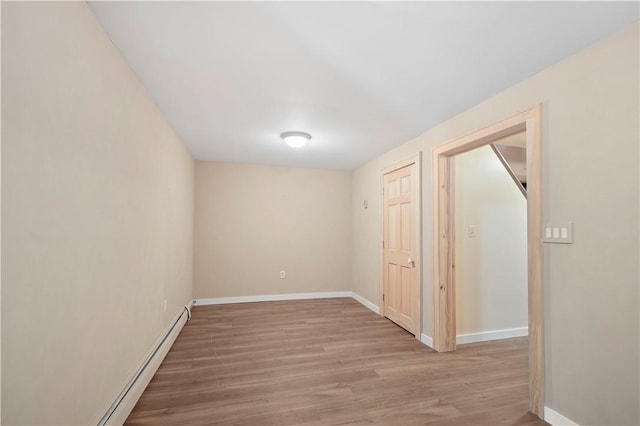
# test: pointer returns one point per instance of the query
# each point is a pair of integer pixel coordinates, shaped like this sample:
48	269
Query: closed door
400	275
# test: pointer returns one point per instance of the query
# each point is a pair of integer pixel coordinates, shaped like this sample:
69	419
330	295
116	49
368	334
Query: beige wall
253	221
590	155
491	268
98	214
97	217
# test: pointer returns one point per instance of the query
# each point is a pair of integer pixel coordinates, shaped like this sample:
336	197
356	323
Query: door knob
411	261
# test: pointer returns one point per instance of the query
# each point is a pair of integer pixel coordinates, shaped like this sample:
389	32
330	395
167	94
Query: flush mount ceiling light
295	139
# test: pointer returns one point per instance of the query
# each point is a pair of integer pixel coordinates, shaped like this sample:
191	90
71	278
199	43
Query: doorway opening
491	242
444	300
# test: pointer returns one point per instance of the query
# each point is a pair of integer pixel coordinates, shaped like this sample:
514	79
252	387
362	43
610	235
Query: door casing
416	189
444	338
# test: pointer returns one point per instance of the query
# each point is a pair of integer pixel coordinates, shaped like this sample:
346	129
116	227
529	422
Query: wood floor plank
328	362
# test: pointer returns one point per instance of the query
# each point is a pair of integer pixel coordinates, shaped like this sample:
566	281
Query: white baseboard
426	340
556	419
121	408
492	335
271	298
365	302
291	296
481	337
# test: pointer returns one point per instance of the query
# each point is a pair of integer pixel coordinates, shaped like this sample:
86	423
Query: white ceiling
361	77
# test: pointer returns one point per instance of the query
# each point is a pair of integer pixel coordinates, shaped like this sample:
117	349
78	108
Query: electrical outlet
283	274
471	231
165	305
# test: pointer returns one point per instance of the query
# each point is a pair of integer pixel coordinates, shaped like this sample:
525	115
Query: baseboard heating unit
125	401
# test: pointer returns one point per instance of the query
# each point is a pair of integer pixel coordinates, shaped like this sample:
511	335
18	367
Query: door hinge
382	243
383	297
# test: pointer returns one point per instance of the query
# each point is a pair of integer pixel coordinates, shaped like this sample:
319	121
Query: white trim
118	412
365	302
426	340
556	419
271	298
492	335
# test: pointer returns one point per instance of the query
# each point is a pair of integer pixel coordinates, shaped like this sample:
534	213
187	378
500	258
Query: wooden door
401	293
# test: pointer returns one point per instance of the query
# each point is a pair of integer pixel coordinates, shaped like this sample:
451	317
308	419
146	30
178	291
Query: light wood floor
328	362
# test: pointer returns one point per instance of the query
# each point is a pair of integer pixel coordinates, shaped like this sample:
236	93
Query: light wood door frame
416	189
444	338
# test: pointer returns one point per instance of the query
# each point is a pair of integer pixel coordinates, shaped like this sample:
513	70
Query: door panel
400	280
406	291
392	274
393	227
406	230
405	184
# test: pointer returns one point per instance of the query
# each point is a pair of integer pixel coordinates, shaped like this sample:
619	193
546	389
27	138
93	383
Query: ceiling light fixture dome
295	139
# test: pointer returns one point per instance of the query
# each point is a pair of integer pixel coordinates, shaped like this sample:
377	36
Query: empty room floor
328	362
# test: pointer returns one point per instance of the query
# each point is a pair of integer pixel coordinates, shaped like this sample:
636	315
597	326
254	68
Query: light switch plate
558	233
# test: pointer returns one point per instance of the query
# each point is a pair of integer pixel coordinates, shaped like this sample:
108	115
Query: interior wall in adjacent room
490	245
